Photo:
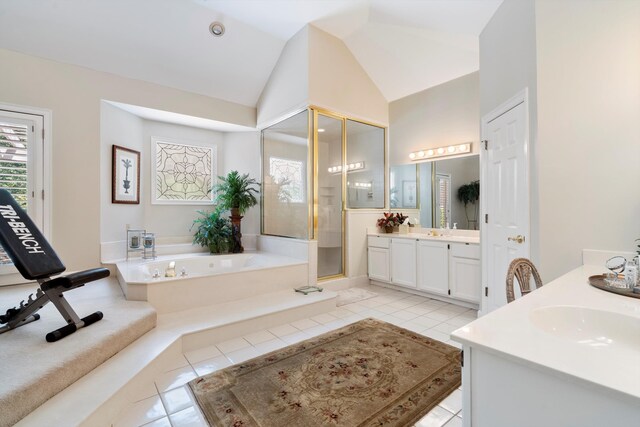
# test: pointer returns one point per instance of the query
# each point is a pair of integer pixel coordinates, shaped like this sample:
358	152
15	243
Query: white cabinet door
464	273
403	262
378	259
433	267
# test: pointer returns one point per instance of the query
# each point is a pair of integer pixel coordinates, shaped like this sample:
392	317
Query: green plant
390	220
470	194
236	191
213	232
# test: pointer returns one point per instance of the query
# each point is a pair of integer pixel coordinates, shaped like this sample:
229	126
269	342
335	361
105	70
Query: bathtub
203	279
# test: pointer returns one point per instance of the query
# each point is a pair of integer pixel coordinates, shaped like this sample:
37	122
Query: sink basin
589	327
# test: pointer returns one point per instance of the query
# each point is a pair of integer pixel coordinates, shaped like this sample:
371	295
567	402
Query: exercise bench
35	259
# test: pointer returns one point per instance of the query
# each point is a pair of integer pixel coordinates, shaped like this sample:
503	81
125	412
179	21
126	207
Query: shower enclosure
317	165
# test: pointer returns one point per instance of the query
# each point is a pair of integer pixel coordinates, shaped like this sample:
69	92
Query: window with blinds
14	173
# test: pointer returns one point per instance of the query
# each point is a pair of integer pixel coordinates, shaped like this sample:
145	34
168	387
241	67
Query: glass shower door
329	158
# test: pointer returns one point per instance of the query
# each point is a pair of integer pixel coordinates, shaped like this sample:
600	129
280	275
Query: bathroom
326	242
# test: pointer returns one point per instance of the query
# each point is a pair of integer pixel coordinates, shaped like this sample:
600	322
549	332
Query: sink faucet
171	270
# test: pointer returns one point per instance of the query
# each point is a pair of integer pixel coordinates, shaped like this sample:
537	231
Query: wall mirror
444	191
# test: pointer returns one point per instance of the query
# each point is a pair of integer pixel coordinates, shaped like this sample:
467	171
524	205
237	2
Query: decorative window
183	173
288	174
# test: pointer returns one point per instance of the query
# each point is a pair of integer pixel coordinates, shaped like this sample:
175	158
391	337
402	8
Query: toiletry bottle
455	225
631	275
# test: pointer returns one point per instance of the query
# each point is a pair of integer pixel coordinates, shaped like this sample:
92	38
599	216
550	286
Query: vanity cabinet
441	268
378	258
403	262
433	272
464	272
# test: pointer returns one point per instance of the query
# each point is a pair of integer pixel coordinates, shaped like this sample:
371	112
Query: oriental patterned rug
369	373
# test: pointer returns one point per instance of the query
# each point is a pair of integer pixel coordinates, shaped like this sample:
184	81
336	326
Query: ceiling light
216	28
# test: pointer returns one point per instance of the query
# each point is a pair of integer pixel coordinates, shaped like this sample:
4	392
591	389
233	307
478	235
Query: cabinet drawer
379	242
465	251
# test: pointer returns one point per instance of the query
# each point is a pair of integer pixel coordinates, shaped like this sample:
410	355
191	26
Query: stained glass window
183	173
287	174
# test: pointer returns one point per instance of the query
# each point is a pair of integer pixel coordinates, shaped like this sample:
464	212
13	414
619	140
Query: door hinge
486	291
486	144
42	194
448	246
33	128
449	291
486	218
43	133
462	358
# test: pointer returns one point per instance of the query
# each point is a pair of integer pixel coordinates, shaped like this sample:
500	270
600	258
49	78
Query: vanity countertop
570	328
453	238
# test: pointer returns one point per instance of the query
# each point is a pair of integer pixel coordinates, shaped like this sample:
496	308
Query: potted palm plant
213	232
470	194
236	193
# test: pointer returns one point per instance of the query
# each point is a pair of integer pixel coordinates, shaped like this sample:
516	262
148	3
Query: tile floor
167	401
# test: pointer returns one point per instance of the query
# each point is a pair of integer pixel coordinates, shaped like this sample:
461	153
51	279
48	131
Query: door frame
47	150
521	97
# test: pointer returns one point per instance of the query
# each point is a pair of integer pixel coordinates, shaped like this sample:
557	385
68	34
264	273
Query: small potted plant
387	222
236	193
213	232
390	221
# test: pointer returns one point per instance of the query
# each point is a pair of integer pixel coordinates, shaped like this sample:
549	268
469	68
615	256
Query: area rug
369	373
352	295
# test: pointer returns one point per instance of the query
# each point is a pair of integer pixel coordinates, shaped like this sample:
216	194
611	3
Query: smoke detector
216	28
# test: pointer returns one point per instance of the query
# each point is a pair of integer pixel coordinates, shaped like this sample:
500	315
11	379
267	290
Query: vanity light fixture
216	28
441	152
349	167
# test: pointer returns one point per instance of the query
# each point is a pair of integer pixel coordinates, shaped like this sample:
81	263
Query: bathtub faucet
171	270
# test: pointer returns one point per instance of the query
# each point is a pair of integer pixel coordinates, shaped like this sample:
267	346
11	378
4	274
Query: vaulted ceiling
404	45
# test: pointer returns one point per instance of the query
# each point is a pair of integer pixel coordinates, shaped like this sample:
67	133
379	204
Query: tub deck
210	279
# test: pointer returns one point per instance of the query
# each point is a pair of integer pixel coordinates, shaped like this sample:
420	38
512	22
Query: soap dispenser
455	225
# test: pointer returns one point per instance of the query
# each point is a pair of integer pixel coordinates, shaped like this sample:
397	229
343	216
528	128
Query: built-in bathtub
203	279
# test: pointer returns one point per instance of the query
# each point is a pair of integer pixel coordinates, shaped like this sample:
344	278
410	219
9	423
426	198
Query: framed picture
125	173
409	196
183	172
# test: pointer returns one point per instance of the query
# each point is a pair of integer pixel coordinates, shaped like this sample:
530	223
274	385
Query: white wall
442	115
287	89
589	129
507	66
118	127
73	95
338	82
242	153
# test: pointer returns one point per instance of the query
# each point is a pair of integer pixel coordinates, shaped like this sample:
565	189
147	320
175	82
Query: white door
506	225
433	267
403	262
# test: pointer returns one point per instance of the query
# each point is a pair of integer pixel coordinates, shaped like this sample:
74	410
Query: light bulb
320	130
451	149
412	156
429	152
358	165
420	153
440	150
462	147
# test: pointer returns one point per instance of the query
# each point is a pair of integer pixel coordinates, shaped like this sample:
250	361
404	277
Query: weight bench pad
26	246
76	279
